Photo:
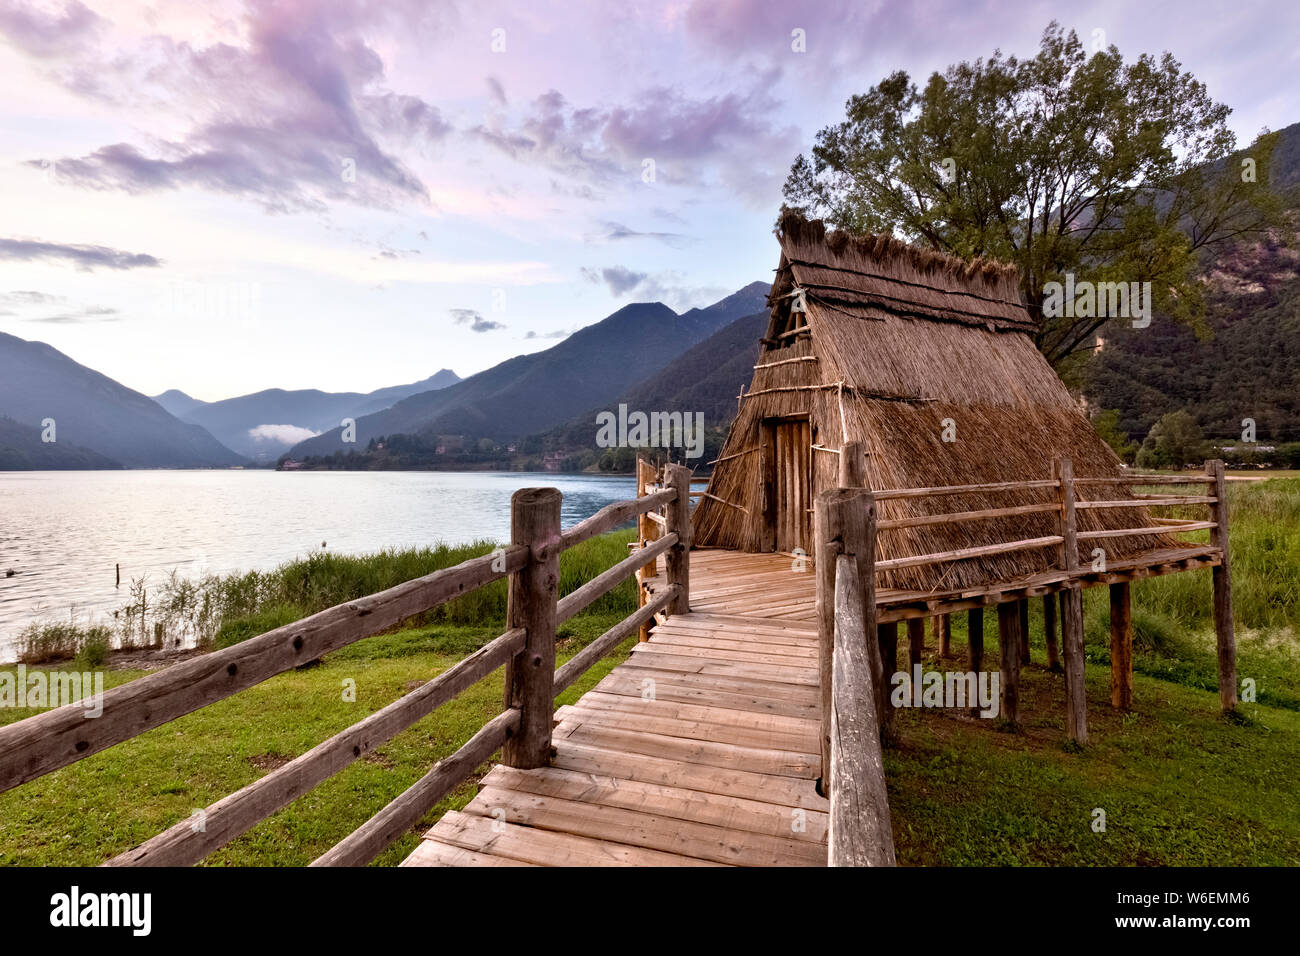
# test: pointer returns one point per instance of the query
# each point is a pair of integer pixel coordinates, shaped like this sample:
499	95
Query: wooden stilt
1022	608
1121	647
915	640
975	644
1049	632
1009	644
943	634
887	638
1225	639
1076	704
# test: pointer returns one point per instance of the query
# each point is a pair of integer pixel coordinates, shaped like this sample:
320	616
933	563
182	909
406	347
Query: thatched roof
900	341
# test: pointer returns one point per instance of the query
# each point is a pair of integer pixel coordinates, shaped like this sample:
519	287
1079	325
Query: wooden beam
1225	638
1009	644
534	524
578	665
1121	647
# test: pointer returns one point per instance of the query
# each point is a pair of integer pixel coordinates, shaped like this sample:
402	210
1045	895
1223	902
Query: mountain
532	393
90	410
177	402
265	424
21	449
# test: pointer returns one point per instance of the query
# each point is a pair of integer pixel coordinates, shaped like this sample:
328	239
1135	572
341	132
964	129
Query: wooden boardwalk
701	750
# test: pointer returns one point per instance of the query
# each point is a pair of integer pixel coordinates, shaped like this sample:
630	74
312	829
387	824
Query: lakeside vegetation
961	791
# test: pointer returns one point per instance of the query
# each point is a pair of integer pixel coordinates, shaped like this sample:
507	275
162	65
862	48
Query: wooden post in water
1009	645
647	531
1049	632
1022	607
844	525
1076	705
534	523
677	560
1225	639
1121	647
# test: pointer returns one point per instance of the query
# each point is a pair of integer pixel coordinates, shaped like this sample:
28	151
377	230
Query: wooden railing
38	745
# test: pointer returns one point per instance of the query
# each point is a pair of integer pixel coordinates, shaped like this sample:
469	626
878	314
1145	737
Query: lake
64	531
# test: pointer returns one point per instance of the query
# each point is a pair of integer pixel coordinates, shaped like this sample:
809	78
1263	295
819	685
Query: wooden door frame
770	487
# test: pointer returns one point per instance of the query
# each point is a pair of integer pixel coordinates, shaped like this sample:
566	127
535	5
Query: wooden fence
522	731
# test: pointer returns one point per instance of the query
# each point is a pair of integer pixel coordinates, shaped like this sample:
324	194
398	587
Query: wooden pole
975	644
1009	644
1049	632
647	531
1225	639
1022	608
853	465
1121	647
1076	704
943	634
534	524
677	560
845	525
887	639
915	641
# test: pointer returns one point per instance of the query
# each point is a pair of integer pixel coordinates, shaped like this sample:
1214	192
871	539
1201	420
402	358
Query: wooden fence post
677	560
1049	632
1121	647
1076	705
1223	632
853	465
647	531
844	524
534	523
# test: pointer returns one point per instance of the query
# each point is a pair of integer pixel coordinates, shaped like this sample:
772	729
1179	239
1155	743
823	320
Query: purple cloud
44	34
83	257
474	320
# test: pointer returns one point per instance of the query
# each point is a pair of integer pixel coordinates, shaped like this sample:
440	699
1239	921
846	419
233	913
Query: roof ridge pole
1076	706
1224	637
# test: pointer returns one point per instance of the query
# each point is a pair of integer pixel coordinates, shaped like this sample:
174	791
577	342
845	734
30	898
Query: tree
1173	442
1106	425
1063	163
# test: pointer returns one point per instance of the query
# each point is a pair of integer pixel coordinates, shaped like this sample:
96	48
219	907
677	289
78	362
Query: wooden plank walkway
701	750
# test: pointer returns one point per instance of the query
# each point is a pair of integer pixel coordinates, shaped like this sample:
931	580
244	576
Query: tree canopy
1062	163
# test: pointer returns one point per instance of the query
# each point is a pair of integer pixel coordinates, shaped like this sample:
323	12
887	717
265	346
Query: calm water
63	532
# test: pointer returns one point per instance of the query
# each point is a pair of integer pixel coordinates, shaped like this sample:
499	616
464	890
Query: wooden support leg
1022	608
915	640
887	636
975	644
1009	644
1224	637
1049	632
943	634
1076	706
1121	647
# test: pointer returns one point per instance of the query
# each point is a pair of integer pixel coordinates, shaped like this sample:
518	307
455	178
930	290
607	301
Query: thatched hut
928	361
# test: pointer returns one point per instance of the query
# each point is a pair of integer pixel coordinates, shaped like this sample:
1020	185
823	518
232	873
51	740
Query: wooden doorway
789	483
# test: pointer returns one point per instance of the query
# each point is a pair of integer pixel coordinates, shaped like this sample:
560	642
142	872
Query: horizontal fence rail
49	741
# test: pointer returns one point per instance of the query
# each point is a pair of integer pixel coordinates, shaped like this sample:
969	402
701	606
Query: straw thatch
903	339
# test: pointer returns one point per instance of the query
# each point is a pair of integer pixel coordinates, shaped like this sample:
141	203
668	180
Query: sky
223	197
